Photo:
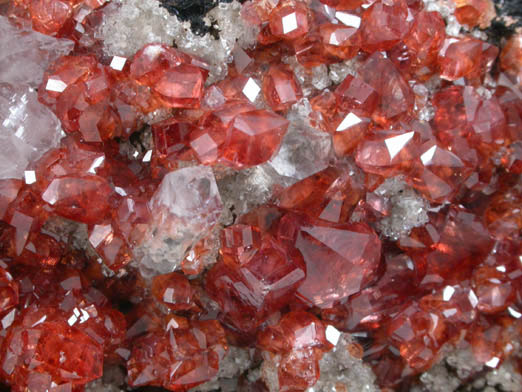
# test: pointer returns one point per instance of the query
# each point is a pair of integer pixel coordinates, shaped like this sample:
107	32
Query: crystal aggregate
380	219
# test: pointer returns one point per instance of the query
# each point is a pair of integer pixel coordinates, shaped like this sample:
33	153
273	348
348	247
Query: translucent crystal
26	54
185	207
27	129
304	150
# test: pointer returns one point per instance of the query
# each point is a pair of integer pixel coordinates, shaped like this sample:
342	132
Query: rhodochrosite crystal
335	205
179	358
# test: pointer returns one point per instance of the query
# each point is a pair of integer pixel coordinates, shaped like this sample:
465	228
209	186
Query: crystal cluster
340	196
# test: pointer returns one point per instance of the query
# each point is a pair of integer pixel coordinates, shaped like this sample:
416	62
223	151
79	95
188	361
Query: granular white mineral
236	361
339	71
244	190
339	368
129	25
408	208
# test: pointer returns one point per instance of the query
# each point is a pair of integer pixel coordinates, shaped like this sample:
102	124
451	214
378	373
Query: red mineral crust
87	281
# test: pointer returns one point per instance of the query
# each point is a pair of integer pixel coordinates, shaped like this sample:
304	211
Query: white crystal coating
505	378
185	207
26	54
438	379
339	71
245	189
234	363
27	129
339	369
129	25
408	208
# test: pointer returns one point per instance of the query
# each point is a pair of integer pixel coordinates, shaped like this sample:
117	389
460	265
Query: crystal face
297	196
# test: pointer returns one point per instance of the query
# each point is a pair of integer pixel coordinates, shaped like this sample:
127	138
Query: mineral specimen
289	195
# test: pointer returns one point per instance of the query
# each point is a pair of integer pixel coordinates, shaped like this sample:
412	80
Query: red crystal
330	194
71	198
463	58
289	20
475	12
173	290
511	57
8	291
418	335
257	277
423	42
395	95
354	93
388	152
252	138
341	259
77	234
340	41
30	355
181	86
280	88
384	24
195	349
300	338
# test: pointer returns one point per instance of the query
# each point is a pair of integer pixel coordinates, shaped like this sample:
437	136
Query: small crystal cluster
335	206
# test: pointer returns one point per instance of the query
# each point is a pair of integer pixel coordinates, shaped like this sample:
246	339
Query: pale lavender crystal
26	54
27	129
185	207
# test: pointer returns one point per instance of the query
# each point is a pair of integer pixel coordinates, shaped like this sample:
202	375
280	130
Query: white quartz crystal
310	79
27	129
339	71
185	207
304	150
26	54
